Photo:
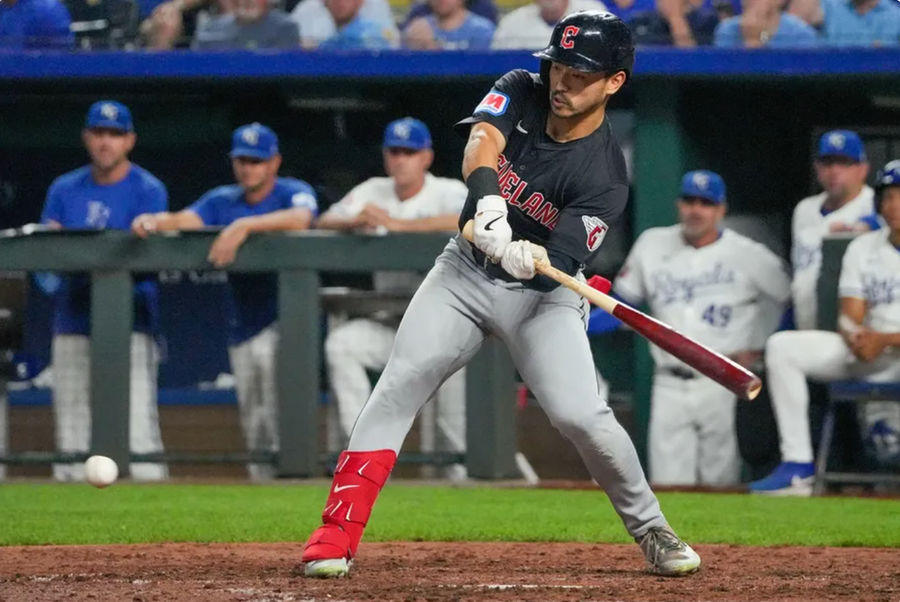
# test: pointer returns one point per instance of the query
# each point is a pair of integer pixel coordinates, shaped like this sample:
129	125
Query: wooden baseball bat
719	368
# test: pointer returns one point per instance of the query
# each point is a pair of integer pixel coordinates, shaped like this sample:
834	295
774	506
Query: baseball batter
410	199
541	166
259	202
723	290
108	193
867	345
841	170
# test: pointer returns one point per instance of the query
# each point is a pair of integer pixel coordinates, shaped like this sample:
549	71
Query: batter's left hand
224	248
519	258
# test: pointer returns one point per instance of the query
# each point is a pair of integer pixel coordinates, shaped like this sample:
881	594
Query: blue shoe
789	478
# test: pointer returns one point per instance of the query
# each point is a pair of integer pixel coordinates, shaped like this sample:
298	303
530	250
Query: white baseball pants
253	363
794	356
71	404
362	344
692	440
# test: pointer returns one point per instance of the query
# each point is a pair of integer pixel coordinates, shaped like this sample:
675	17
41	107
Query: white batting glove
492	231
519	257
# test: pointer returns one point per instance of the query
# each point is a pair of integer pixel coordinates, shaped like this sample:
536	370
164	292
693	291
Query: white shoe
328	567
666	554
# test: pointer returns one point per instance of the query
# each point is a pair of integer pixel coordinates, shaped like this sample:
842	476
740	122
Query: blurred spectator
450	26
166	28
107	194
482	8
34	25
410	199
718	287
764	24
626	9
355	32
259	202
866	346
252	24
316	23
682	23
531	25
852	22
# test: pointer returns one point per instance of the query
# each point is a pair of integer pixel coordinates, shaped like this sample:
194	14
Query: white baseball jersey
525	28
871	271
808	228
439	196
715	294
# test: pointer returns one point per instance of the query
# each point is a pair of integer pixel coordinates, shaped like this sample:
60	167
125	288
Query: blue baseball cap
254	140
109	114
704	184
842	143
407	133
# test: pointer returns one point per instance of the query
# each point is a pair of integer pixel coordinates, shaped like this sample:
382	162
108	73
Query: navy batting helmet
590	40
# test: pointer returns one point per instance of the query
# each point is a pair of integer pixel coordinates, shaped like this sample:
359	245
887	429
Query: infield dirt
442	572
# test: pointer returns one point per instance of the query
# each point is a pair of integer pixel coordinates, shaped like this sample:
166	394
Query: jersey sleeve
629	282
154	199
301	196
850	283
583	224
53	206
206	207
503	106
352	204
768	273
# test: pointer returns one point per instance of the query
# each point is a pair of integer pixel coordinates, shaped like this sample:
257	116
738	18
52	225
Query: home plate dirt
442	571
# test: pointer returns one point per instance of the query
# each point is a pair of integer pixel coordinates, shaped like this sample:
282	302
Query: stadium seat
851	391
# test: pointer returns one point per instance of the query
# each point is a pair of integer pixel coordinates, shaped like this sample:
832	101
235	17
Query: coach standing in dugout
722	289
546	178
107	194
259	202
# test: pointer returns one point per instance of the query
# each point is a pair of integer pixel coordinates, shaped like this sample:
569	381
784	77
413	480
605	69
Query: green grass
79	514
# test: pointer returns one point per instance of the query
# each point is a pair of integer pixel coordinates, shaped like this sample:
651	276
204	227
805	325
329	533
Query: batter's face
407	166
254	174
840	177
107	147
890	207
574	92
699	217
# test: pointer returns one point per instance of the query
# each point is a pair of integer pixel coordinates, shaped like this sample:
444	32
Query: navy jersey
77	202
254	297
562	195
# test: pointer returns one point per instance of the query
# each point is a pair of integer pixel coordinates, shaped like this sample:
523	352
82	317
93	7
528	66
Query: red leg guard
358	479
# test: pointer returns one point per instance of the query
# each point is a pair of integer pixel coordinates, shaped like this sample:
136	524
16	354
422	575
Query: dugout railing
111	257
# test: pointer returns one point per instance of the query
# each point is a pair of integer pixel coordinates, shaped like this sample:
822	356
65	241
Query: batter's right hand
492	231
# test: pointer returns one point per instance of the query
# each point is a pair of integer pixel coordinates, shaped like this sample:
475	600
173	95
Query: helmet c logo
566	40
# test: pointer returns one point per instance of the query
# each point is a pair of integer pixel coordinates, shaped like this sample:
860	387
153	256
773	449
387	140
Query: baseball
101	471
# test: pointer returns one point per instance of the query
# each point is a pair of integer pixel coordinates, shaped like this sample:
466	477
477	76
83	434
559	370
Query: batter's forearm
483	149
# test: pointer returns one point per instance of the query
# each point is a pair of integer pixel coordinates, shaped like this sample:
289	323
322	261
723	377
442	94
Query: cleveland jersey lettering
552	189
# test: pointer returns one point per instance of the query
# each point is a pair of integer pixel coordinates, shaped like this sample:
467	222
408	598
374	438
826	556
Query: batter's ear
430	159
615	82
132	140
